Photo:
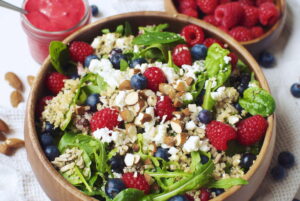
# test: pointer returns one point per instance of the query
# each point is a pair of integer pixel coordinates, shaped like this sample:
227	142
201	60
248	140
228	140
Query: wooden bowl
57	188
256	45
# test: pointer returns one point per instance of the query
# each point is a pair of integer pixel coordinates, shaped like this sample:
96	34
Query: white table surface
15	56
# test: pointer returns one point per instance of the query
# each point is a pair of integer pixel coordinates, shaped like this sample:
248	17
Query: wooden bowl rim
30	115
281	4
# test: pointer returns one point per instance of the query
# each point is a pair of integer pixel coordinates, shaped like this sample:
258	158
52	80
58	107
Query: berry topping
204	194
88	60
295	90
55	82
41	104
217	191
247	160
268	14
80	50
181	55
105	118
250	16
136	181
114	187
138	81
190	12
192	34
205	116
211	20
278	172
92	101
209	41
229	15
266	59
187	4
116	58
164	107
178	198
95	10
154	76
47	139
247	2
138	61
259	2
49	127
286	159
204	159
207	6
241	33
51	152
219	134
117	163
251	130
257	31
199	52
234	60
162	153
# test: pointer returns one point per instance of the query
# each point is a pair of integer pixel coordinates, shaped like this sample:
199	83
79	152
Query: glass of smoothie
49	20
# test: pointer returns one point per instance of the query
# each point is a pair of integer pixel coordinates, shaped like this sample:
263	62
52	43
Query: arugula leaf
228	183
157	28
129	194
78	172
208	101
196	159
257	101
59	55
151	38
127	29
123	65
166	174
171	63
198	85
216	66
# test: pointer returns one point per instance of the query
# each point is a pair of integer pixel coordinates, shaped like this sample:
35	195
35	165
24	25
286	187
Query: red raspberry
250	16
259	2
55	82
209	41
241	33
136	181
247	2
223	29
193	34
219	134
164	106
190	12
187	4
80	50
224	1
251	130
211	20
234	60
181	55
229	15
105	118
268	14
204	195
189	197
41	104
154	76
207	6
257	31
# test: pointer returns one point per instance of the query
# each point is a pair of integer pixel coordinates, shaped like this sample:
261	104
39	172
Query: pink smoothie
54	15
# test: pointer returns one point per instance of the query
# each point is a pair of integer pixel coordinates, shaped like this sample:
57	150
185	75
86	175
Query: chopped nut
2	137
178	115
181	86
16	98
125	85
135	147
186	112
148	92
4	149
80	110
132	98
136	71
152	100
148	161
181	138
127	115
149	179
146	118
179	94
169	140
3	127
14	143
177	125
189	81
142	118
131	130
14	81
177	102
140	106
30	80
167	90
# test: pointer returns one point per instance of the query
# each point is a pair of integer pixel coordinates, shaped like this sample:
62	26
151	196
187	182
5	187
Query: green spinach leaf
59	55
123	65
228	183
151	38
157	28
129	194
208	101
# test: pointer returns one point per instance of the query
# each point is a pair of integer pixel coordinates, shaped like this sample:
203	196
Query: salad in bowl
152	116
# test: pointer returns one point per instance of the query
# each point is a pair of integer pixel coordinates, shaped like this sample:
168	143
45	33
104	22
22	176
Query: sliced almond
115	108
152	100
4	149
146	118
131	130
189	81
186	112
14	143
127	115
14	81
140	106
30	80
149	179
142	118
181	86
80	110
136	71
148	161
16	98
179	94
169	140
177	125
2	137
181	138
125	85
177	102
132	98
148	92
178	115
3	127
167	90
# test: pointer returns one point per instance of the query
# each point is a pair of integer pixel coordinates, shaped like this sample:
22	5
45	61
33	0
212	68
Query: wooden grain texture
57	188
256	45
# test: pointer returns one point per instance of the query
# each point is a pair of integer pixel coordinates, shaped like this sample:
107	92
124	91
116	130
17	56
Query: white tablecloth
17	181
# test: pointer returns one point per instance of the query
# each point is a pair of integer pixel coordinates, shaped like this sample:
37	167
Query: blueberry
266	59
295	90
138	61
199	52
74	76
116	51
247	160
162	153
117	163
278	172
92	101
95	10
238	107
218	191
204	159
88	60
116	58
245	78
49	127
286	159
51	152
241	88
205	116
113	187
138	81
178	198
47	139
295	199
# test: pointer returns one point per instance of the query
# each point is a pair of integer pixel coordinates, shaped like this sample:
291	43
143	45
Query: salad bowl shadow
58	189
256	45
